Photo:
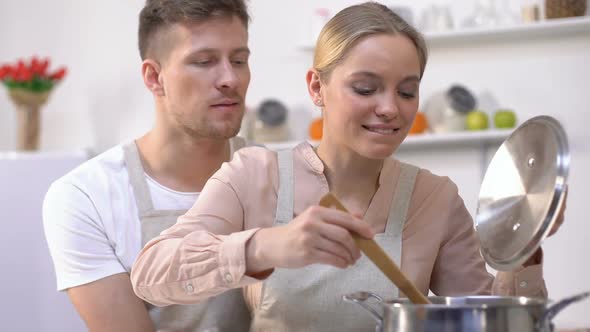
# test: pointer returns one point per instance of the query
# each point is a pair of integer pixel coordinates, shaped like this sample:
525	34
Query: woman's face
371	98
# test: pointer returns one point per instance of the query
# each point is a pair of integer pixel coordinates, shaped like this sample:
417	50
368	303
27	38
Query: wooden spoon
376	254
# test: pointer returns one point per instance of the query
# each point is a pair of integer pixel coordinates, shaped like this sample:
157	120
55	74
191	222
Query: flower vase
28	107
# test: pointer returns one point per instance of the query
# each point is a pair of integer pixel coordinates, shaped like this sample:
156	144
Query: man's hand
109	304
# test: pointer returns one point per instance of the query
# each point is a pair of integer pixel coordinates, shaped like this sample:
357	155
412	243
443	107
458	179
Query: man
97	217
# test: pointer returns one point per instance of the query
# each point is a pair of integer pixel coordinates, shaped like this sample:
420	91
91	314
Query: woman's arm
460	268
201	256
214	248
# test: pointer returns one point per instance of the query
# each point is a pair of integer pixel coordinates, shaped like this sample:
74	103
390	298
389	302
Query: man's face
205	76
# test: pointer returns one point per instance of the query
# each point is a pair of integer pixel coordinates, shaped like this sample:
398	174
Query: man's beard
219	130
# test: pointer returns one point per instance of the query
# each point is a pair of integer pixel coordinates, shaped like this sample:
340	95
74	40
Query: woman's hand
537	257
318	235
560	218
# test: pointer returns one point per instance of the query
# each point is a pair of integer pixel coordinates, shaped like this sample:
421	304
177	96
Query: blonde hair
352	24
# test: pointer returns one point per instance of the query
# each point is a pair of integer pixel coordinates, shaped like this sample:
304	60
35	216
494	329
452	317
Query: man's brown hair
159	14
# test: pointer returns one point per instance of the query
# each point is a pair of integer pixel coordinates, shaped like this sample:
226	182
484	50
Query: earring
319	102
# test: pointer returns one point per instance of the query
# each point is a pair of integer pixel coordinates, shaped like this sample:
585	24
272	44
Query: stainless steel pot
462	314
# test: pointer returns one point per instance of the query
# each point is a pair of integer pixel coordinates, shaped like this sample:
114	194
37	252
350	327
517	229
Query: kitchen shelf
550	28
464	138
490	136
44	155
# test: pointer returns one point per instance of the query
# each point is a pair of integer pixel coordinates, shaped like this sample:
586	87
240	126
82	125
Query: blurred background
493	64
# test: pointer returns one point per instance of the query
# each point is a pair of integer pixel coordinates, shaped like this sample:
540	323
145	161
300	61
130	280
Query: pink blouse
203	254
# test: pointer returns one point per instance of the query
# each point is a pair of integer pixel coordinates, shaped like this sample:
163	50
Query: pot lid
522	193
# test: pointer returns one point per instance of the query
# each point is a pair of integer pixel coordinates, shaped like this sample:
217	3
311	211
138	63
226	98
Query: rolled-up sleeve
525	281
201	256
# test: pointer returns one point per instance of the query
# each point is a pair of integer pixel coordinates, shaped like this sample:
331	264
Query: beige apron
226	312
310	298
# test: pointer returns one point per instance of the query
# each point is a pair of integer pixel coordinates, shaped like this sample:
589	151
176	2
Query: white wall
103	101
28	283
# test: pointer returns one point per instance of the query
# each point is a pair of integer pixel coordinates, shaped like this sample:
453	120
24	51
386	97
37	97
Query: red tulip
31	75
35	66
43	65
20	66
23	73
59	74
6	72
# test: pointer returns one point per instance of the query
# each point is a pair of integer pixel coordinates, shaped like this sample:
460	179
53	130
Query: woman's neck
353	178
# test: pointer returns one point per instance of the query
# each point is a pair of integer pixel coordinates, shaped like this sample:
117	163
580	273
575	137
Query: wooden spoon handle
376	254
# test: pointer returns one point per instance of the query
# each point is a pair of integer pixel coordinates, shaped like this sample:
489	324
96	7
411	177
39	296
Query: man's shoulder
85	193
98	172
86	218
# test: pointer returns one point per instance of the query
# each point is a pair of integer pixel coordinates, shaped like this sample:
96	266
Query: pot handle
361	298
553	310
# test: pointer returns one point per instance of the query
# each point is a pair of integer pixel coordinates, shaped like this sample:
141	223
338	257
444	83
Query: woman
257	224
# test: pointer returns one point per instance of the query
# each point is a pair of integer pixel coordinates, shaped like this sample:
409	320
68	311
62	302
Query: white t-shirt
91	220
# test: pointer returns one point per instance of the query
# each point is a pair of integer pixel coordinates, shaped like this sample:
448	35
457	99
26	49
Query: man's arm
85	262
109	304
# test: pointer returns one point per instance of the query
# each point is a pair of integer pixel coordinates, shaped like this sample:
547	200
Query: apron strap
284	212
137	179
401	200
398	212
